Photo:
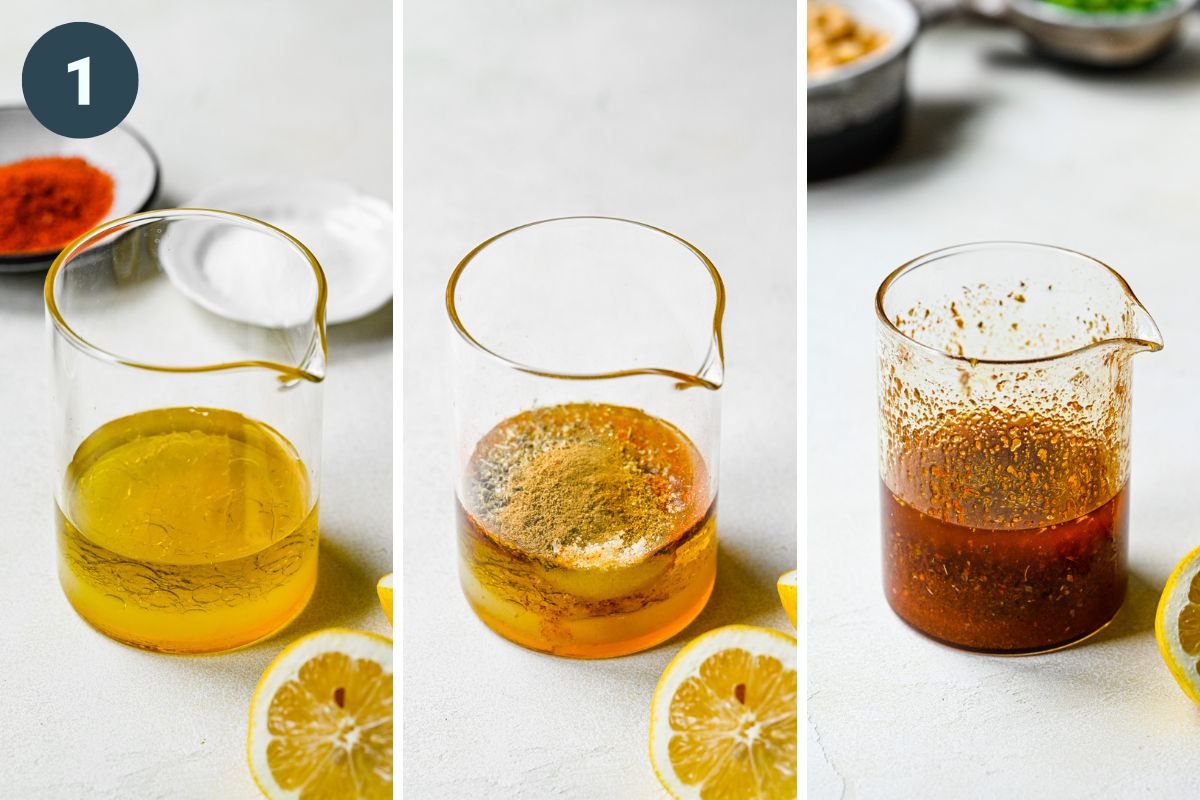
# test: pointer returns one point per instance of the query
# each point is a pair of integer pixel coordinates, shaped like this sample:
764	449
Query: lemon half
787	594
384	587
321	719
723	720
1177	624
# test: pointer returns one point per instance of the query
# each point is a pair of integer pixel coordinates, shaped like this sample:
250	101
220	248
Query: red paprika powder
47	202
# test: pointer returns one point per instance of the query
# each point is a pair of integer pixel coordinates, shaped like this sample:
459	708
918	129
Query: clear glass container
188	349
1004	407
586	374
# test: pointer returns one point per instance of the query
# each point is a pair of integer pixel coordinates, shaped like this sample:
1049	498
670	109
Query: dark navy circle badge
80	80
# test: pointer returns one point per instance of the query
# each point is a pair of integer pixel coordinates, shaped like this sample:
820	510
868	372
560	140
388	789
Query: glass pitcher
586	374
1004	406
188	350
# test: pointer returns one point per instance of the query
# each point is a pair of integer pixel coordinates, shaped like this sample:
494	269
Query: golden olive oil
187	530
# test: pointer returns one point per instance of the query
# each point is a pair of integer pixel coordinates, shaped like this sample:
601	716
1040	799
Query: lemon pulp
723	721
321	719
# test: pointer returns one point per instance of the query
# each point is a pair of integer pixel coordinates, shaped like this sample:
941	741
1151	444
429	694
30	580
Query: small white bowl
121	153
349	232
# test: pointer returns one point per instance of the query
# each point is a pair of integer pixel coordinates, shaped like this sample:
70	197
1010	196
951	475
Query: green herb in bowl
1110	6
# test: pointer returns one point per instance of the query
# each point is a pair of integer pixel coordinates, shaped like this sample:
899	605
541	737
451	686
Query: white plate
349	232
121	153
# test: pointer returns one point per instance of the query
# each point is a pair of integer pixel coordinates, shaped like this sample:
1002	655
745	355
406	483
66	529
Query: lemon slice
1177	624
723	718
384	587
321	719
787	594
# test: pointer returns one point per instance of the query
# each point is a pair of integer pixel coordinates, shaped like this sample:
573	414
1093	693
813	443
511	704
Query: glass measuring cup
188	349
586	374
1004	407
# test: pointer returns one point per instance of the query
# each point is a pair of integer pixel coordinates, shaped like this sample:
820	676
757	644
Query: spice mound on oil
584	505
588	486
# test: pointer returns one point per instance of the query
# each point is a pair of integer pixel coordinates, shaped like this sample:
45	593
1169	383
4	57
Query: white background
681	114
1004	146
227	89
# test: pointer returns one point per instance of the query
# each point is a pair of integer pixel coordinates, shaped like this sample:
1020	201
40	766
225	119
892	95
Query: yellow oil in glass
187	530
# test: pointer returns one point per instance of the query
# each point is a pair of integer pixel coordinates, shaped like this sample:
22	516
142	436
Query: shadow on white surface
1136	617
933	129
21	294
348	338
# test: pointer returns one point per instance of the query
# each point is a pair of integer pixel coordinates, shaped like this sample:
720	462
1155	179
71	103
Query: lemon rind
1166	625
385	589
788	581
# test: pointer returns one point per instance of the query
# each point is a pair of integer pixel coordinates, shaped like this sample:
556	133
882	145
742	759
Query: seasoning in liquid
1014	540
586	530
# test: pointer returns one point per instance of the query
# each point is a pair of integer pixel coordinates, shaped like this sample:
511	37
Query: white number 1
84	67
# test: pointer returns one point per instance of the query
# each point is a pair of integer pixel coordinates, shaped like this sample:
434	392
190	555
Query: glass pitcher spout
312	369
1147	336
711	374
1136	333
290	375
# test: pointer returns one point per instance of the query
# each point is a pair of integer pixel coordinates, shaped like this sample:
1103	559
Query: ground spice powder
47	202
583	497
586	486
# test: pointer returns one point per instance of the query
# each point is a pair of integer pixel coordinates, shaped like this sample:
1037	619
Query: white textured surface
84	716
1004	147
681	114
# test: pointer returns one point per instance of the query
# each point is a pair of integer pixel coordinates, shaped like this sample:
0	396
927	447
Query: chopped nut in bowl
836	38
857	67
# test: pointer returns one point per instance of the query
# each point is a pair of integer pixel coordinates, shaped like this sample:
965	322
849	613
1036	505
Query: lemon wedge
1177	624
321	719
787	594
384	587
723	718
